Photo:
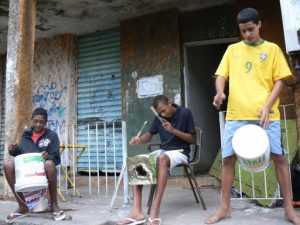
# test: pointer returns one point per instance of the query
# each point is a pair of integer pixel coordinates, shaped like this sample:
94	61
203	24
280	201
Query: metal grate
99	100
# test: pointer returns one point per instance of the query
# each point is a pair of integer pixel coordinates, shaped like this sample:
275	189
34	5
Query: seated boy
36	138
176	128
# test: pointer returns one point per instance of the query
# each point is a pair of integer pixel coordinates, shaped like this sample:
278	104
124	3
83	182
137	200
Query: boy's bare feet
219	215
293	217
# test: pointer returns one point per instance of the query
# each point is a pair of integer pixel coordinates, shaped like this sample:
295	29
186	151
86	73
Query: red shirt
35	136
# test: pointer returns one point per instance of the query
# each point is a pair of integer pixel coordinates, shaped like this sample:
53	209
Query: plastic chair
188	167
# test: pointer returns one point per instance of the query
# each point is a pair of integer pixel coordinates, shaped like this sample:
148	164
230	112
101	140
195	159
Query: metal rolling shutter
99	101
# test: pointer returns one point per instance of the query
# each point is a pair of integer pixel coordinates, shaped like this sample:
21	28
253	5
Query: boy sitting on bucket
36	138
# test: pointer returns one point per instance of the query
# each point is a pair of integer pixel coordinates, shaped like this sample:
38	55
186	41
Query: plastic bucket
142	169
251	146
30	173
36	201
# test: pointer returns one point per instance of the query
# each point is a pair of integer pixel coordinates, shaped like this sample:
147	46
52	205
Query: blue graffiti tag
50	96
55	125
48	93
59	110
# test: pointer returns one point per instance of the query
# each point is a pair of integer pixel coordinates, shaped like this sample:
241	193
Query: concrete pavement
178	208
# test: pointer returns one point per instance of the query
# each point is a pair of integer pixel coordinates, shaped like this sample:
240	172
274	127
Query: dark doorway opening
201	62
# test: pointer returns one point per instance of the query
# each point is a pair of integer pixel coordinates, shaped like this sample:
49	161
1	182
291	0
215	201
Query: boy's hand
168	126
44	155
264	116
12	147
218	100
135	140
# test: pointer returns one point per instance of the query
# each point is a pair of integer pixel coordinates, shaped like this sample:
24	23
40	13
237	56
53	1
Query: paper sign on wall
149	86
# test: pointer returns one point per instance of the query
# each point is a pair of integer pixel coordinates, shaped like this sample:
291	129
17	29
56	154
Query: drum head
250	141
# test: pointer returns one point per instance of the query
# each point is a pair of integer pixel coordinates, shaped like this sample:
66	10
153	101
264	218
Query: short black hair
158	99
247	15
40	112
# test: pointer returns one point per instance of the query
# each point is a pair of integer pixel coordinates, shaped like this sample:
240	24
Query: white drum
251	146
30	172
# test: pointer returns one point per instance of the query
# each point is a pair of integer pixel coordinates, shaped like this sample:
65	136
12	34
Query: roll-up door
99	101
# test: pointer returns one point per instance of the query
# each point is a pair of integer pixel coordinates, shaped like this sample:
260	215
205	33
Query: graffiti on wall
50	96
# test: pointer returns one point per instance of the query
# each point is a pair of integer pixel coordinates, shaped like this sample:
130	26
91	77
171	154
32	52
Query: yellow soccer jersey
252	71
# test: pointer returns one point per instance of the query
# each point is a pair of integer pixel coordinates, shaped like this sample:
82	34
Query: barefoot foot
219	215
293	217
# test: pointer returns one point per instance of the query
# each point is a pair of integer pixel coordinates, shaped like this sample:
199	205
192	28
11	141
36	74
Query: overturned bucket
30	172
251	146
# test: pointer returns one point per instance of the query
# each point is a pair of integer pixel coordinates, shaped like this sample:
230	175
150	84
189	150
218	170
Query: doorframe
185	65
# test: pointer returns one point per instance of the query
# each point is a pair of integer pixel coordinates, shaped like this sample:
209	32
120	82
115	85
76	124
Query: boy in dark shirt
176	129
36	138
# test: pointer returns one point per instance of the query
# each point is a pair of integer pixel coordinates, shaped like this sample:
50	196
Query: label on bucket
33	158
251	146
254	163
34	166
36	201
30	172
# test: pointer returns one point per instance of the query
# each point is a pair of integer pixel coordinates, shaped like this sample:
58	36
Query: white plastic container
30	173
251	146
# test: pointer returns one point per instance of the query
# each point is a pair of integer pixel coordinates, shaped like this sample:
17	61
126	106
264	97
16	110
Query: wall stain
149	46
24	66
55	83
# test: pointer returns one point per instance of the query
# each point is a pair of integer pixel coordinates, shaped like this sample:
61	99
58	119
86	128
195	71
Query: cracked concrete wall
207	24
2	137
87	16
149	47
55	82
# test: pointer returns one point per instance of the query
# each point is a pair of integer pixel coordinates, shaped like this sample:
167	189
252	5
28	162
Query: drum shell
255	139
30	173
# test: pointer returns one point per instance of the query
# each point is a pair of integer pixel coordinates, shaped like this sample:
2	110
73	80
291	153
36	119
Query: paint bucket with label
251	146
30	172
36	201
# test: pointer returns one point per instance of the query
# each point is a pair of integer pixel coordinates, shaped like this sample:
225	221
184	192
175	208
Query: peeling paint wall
2	133
206	24
149	47
20	50
55	87
20	46
2	75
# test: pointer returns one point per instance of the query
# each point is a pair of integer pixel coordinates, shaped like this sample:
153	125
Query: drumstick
156	114
10	139
140	131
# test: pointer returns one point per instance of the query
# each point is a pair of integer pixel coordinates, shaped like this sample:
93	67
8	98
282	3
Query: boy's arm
190	138
53	150
143	139
220	95
265	110
189	135
13	150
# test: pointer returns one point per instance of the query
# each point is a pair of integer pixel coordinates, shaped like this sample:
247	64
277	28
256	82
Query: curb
2	222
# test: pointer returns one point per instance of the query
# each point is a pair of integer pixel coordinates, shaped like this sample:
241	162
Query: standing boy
255	69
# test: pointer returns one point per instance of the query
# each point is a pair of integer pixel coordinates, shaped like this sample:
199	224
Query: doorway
201	60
